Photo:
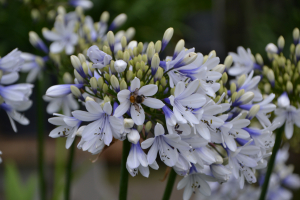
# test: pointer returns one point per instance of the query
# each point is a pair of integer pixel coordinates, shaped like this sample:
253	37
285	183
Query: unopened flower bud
253	111
133	136
241	80
189	58
167	37
259	59
283	100
297	51
75	62
240	93
157	46
111	40
75	91
247	97
159	73
129	75
280	43
267	88
139	74
120	66
61	10
81	58
118	21
1	74
155	63
219	68
85	68
104	17
67	78
78	76
130	32
271	48
140	47
140	128
123	42
123	85
212	54
150	51
148	126
128	123
35	14
93	83
224	78
296	35
271	77
179	47
115	83
100	82
104	88
89	99
228	61
289	87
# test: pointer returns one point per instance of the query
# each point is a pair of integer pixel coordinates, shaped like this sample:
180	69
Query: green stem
124	173
170	184
69	172
40	139
276	147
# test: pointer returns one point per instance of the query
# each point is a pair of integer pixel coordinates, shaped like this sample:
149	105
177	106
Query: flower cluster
73	32
282	181
177	107
280	79
14	98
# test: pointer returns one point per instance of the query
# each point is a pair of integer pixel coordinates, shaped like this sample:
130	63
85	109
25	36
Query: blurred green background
220	25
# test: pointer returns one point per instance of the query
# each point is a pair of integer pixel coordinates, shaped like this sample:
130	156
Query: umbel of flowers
14	98
73	32
176	107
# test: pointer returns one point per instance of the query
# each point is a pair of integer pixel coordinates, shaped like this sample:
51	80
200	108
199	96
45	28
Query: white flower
63	36
220	172
287	114
98	57
85	4
271	48
67	127
185	100
243	62
162	143
120	66
34	65
193	182
66	103
11	62
103	127
133	99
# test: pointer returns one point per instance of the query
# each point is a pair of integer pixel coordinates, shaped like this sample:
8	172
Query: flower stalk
170	185
124	173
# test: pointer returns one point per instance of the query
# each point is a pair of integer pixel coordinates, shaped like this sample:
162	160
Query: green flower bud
77	76
286	77
1	74
172	91
148	126
228	61
259	59
241	80
217	99
144	58
107	77
163	81
67	78
140	128
240	93
157	46
123	85
267	88
100	82
35	14
104	88
142	83
292	48
104	17
179	47
150	51
93	83
219	68
123	42
130	32
143	66
224	78
289	87
155	62
85	68
160	88
120	54
75	91
280	42
296	34
114	82
135	51
126	56
159	73
111	39
212	54
297	51
233	96
271	77
280	80
221	89
75	62
129	75
140	47
139	74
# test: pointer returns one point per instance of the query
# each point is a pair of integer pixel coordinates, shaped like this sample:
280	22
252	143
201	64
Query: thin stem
170	184
276	147
69	172
124	173
40	139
